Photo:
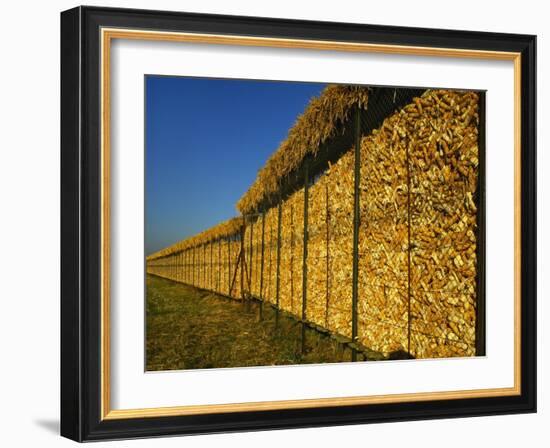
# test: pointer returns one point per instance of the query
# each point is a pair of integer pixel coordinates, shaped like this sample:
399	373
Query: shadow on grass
189	328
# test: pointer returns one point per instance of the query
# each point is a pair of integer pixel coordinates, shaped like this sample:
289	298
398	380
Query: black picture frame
81	224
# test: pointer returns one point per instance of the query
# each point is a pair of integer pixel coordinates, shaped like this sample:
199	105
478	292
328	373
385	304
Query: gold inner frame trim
107	35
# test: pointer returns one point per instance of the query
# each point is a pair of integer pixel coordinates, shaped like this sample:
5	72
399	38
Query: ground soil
188	328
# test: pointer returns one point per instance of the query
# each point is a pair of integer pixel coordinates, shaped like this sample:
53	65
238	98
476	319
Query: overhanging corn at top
222	230
319	122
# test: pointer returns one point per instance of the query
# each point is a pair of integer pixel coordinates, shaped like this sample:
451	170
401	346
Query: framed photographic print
276	224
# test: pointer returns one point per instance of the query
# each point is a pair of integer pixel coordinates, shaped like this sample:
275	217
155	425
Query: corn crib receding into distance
366	223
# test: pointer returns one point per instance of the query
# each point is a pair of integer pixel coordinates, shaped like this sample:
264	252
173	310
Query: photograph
308	223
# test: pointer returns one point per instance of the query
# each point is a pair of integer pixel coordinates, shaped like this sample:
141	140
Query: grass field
189	328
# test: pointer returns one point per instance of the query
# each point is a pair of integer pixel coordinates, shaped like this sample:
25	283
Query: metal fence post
241	255
256	255
229	265
292	257
262	268
270	257
408	251
356	222
199	270
277	280
199	266
327	219
250	260
480	255
304	259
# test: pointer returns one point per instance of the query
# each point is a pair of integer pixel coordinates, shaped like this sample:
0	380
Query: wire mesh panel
383	242
258	254
250	230
226	267
444	175
296	243
291	245
286	290
270	268
186	277
340	181
207	267
236	268
318	293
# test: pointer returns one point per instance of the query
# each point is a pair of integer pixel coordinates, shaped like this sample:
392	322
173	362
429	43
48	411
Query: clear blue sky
205	141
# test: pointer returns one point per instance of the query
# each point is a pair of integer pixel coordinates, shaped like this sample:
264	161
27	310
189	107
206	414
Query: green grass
189	328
